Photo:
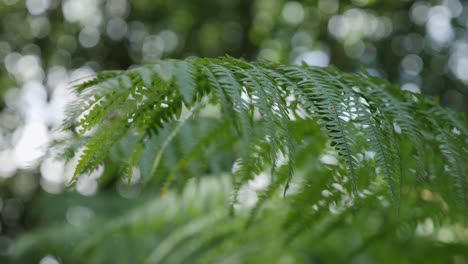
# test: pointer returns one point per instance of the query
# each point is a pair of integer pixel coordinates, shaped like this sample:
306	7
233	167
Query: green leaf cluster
344	154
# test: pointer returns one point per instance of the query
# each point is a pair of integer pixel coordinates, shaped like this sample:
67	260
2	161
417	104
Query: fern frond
259	102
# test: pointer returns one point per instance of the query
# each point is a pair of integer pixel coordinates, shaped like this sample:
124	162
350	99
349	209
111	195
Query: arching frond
314	155
367	120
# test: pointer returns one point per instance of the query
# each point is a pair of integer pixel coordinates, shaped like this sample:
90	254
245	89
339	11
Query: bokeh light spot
293	13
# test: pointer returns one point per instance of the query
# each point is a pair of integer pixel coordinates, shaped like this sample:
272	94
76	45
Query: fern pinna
378	131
